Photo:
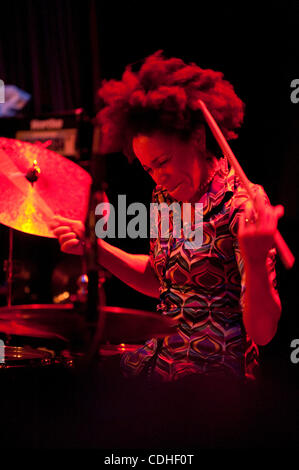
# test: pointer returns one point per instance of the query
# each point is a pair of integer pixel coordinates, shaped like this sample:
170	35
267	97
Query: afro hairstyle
163	96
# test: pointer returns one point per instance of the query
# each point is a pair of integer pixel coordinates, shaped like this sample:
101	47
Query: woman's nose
162	177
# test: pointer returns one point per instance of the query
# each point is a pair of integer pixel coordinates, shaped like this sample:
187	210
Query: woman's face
177	165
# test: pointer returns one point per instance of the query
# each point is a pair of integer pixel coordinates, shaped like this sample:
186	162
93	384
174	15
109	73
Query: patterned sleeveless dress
202	289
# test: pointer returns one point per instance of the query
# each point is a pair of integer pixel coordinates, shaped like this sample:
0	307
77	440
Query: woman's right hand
70	234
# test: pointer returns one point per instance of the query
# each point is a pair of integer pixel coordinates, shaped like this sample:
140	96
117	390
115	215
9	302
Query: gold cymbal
37	184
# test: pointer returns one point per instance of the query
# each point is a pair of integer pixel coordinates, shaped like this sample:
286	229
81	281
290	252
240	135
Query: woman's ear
199	140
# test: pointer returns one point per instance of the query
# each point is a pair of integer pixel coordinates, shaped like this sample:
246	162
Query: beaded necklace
204	186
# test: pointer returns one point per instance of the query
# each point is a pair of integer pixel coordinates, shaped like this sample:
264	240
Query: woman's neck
211	170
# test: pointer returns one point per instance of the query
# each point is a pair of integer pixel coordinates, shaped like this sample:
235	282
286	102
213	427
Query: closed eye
148	170
158	165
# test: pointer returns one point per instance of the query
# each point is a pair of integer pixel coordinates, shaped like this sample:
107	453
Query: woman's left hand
257	228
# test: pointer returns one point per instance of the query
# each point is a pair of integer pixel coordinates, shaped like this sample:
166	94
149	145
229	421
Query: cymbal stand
9	268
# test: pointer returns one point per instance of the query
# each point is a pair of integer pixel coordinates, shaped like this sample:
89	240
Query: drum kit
37	184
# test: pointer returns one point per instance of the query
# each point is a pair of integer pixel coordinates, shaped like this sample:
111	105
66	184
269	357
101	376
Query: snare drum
21	357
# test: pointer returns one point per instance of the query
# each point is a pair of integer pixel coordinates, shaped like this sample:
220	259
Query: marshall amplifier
69	133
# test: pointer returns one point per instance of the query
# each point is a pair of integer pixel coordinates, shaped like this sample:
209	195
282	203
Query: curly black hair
163	95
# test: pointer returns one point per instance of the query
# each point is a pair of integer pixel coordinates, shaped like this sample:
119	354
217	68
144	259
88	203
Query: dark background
60	50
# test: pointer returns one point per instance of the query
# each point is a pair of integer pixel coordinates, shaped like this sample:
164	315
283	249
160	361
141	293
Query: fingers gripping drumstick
285	253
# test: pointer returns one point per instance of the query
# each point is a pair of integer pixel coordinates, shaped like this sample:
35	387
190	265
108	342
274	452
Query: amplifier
69	133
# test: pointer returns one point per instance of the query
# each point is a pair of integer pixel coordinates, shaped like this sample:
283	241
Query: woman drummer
222	294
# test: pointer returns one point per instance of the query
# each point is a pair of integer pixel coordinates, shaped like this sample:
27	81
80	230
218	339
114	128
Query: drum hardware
53	329
63	298
49	321
24	357
33	173
82	291
36	184
107	350
9	269
53	324
34	188
128	325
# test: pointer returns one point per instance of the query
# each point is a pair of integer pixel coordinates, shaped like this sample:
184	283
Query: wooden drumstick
285	253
